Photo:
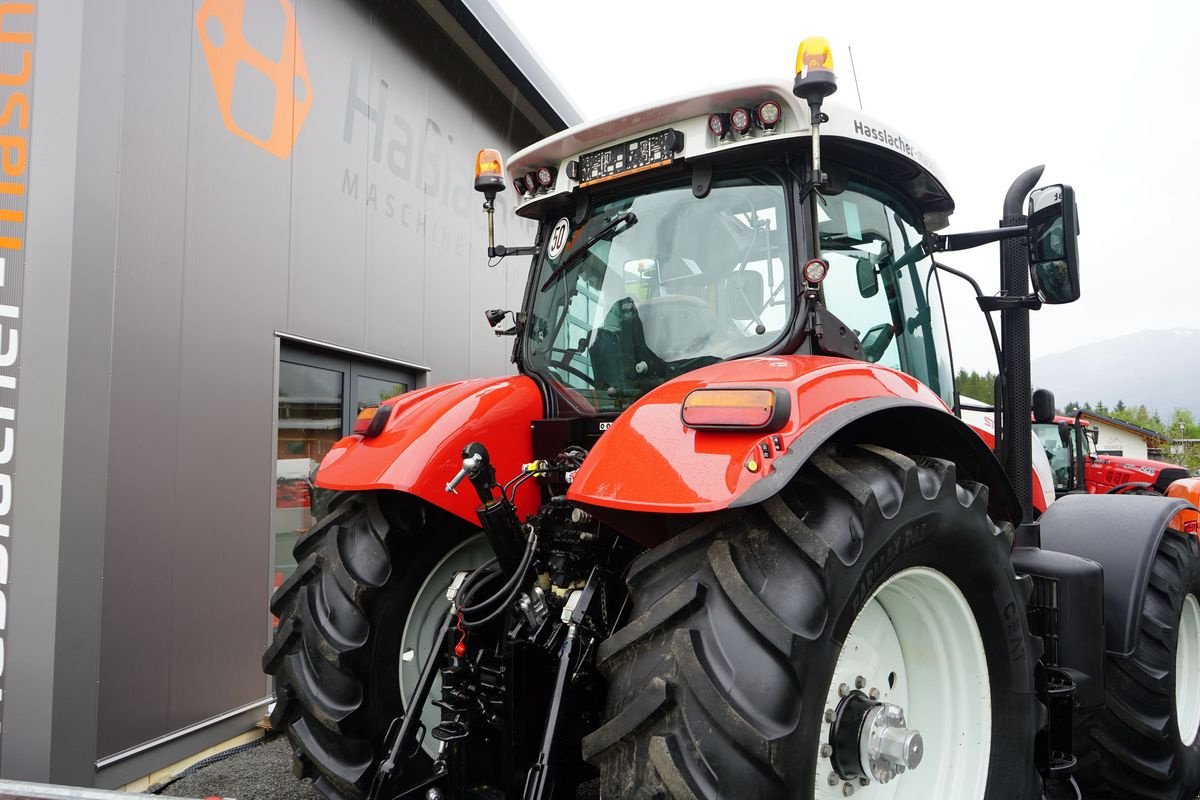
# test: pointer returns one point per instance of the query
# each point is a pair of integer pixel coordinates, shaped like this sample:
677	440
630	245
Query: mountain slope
1160	369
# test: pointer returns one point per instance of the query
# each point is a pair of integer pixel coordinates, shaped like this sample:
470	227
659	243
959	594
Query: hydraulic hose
505	592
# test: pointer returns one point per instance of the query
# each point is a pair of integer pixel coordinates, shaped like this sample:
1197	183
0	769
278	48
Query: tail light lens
744	409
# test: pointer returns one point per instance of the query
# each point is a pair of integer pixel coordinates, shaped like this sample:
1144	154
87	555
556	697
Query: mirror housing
868	278
875	342
1043	405
1053	244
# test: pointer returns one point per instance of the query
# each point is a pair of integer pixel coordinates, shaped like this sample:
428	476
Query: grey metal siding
217	245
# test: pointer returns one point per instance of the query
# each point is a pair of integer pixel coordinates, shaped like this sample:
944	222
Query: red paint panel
650	461
420	448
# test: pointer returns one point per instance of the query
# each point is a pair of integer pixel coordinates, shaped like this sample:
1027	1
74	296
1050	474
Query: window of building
320	394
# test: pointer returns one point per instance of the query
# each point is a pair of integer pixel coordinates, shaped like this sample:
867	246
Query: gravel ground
261	772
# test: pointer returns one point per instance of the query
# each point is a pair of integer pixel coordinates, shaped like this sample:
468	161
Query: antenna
854	72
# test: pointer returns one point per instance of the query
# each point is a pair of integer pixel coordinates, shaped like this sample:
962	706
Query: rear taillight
371	420
745	409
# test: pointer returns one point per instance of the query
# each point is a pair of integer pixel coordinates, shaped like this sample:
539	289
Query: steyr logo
219	25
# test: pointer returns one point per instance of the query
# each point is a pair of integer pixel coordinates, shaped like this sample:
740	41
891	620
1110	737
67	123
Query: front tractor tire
356	621
758	638
1145	743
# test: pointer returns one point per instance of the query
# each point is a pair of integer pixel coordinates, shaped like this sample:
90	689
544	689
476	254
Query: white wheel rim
916	641
425	617
1187	671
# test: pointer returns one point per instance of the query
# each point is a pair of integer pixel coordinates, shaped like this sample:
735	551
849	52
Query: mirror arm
965	241
1002	302
500	251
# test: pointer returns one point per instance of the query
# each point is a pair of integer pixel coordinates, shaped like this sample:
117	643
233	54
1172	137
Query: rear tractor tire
759	641
356	621
1145	743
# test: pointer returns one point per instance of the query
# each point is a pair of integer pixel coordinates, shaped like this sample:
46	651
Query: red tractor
1070	444
722	535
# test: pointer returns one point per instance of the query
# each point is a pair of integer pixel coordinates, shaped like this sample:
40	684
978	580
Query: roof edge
485	26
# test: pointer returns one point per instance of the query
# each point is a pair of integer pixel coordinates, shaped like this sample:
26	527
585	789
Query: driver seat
680	326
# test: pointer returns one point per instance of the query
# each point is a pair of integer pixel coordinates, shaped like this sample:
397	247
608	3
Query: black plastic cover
1121	533
1066	609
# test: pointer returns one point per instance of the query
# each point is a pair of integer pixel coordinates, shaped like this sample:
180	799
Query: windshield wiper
608	231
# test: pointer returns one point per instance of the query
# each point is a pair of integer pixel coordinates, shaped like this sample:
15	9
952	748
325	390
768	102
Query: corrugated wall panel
144	418
222	243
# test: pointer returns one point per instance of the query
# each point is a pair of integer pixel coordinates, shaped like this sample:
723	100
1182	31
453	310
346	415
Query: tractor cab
703	230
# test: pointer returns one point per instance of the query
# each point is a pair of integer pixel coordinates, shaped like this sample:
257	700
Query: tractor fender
1121	533
649	461
420	448
1188	489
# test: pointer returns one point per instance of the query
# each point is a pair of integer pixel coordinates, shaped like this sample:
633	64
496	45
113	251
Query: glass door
320	394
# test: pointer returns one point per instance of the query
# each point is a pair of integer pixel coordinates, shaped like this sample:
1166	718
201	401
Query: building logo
219	25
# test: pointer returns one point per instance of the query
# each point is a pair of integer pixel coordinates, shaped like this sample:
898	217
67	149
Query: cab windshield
683	283
896	312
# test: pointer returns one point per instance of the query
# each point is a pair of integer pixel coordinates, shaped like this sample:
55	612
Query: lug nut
847	789
860	682
829	715
843	690
834	780
826	751
864	781
873	694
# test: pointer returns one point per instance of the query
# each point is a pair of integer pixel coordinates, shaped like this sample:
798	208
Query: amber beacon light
489	172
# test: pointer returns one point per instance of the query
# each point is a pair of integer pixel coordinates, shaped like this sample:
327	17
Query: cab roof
879	147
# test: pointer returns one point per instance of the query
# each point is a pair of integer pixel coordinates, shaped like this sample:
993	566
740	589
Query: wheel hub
870	739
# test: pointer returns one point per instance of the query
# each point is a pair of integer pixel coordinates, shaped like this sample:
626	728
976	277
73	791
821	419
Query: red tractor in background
1070	444
723	535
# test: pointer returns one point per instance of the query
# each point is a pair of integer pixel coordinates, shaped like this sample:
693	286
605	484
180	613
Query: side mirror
1053	244
1043	405
744	295
868	279
875	341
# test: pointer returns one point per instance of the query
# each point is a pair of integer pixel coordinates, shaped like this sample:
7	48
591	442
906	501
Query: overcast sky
1104	94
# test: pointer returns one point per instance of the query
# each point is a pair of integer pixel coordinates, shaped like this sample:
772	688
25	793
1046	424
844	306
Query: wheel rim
1187	671
425	616
917	645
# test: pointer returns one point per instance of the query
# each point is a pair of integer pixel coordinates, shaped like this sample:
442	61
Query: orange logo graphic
219	23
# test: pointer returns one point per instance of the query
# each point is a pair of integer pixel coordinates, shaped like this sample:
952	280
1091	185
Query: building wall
1113	439
200	234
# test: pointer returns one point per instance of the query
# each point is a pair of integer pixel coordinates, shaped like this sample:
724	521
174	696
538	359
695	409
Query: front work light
489	172
545	177
739	409
768	115
718	124
739	120
815	271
